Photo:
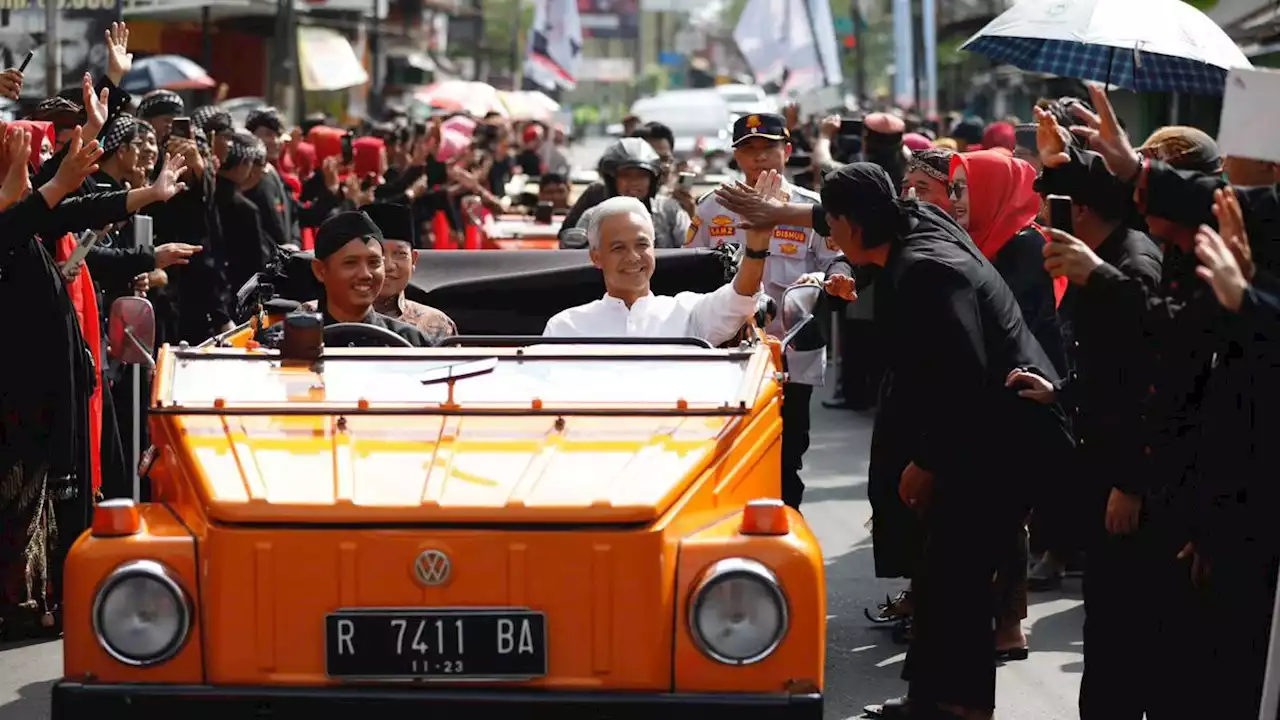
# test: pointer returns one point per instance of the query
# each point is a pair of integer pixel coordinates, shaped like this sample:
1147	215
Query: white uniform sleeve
697	235
683	225
717	316
822	252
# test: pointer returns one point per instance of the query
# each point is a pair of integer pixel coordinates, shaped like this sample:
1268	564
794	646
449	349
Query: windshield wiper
457	371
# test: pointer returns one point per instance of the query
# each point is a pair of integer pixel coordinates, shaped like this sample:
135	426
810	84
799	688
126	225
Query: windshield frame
743	399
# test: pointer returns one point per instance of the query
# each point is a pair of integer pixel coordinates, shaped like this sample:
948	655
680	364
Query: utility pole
375	65
516	65
859	54
52	50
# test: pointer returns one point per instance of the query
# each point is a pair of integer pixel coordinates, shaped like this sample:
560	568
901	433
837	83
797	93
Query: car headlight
141	614
737	612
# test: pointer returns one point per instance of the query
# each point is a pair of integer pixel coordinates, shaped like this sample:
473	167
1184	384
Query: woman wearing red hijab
994	198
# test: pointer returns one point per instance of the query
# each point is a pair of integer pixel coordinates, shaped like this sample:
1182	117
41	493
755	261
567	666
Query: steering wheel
362	335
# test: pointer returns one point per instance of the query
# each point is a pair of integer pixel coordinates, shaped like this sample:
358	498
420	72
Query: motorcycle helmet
630	153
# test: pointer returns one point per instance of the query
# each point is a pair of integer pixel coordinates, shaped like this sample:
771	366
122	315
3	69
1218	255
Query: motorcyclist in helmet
629	167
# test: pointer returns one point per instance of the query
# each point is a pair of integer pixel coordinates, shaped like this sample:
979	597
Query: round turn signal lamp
765	517
116	518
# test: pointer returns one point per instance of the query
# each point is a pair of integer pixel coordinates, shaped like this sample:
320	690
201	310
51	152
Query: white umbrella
1141	45
529	105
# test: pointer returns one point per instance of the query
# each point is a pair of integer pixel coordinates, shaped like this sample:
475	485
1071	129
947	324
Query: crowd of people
1076	337
1070	342
225	203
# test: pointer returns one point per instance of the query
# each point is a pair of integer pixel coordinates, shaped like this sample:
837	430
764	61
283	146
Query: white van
700	119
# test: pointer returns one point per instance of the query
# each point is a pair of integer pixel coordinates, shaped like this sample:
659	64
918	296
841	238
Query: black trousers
1143	631
795	440
953	636
1242	593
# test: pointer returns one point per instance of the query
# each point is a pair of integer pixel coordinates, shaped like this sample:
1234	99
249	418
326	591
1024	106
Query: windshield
711	381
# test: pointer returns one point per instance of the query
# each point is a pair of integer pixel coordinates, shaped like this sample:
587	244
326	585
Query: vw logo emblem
432	568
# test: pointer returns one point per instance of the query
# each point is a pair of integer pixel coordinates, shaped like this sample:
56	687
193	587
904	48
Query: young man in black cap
349	263
399	258
761	142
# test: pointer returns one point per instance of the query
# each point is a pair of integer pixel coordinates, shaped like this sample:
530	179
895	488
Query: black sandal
890	611
1011	654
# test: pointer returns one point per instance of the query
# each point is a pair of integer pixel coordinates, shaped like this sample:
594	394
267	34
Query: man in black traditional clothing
349	264
950	436
1112	268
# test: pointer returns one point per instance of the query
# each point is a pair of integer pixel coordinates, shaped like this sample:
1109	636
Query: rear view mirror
131	331
798	304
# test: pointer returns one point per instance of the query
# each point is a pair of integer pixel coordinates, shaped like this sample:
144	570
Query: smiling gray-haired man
620	238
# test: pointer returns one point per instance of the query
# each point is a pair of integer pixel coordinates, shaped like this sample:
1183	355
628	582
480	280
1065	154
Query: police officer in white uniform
761	143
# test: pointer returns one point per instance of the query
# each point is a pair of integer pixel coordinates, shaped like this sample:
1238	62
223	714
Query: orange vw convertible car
503	524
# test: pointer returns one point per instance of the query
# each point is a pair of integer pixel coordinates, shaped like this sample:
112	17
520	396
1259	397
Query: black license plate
436	644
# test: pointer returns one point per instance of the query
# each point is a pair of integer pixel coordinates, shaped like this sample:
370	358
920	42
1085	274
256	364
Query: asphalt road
863	663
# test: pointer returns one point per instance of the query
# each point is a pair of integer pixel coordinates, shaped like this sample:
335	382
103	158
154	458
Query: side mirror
798	304
131	331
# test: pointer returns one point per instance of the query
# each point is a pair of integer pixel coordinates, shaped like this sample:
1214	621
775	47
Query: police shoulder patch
694	227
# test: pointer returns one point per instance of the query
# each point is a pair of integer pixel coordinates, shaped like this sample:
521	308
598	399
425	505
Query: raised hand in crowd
1220	268
80	162
190	152
119	59
1051	139
356	193
829	128
417	189
754	209
1104	135
1226	208
166	184
95	107
11	83
1068	256
331	167
17	182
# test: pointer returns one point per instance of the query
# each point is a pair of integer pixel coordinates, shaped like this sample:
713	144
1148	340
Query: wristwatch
757	254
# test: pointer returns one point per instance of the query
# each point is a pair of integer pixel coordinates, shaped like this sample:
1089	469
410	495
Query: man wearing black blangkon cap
400	257
349	264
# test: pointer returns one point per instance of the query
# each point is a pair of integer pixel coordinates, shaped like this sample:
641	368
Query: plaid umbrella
1140	45
167	72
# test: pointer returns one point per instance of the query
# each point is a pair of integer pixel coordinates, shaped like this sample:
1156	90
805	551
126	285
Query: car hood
446	469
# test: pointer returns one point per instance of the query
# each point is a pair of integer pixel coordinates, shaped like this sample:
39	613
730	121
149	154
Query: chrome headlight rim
152	570
726	569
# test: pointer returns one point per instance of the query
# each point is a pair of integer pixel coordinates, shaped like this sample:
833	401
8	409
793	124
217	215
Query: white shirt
793	251
715	317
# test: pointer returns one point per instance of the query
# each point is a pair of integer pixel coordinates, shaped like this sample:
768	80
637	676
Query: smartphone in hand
348	152
181	127
1060	214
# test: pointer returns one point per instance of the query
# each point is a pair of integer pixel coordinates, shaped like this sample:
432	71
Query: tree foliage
506	22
